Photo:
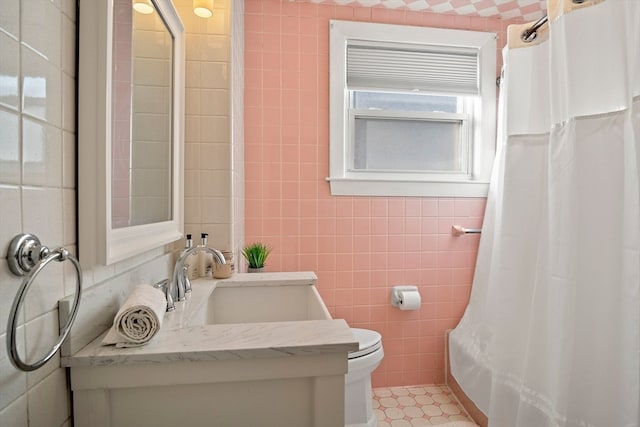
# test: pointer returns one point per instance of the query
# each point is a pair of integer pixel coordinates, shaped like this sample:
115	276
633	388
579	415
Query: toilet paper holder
396	293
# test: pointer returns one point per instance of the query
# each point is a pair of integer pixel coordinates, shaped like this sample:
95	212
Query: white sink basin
232	303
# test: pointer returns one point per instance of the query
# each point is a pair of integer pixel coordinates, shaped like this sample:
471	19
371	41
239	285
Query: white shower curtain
551	336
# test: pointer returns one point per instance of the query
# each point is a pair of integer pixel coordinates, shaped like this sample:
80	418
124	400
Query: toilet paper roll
409	300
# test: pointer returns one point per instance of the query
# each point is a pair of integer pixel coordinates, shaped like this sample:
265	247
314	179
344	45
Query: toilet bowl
357	408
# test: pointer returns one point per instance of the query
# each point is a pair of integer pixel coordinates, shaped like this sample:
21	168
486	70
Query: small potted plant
256	254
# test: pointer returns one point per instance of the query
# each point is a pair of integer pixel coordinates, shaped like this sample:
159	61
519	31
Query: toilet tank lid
366	338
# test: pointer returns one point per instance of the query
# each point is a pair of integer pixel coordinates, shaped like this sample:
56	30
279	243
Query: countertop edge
183	345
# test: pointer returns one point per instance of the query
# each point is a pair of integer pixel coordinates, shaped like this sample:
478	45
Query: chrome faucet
180	282
165	287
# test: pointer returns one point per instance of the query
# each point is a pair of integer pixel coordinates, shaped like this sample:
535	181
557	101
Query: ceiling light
143	6
203	8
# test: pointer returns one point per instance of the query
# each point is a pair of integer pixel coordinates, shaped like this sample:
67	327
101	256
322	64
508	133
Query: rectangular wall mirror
130	128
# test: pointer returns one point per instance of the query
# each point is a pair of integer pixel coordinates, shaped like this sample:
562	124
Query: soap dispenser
205	259
192	261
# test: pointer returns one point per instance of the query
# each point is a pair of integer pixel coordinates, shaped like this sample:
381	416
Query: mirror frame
99	244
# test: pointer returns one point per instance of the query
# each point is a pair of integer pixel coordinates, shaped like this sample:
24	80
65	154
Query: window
412	110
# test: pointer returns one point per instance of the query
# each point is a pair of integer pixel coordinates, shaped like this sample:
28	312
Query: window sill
374	187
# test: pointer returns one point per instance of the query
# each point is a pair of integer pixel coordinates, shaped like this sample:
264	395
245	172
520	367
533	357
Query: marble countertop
180	339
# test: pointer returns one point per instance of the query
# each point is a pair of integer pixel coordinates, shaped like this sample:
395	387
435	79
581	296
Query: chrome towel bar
458	230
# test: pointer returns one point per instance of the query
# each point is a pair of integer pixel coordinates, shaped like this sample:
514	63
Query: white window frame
480	121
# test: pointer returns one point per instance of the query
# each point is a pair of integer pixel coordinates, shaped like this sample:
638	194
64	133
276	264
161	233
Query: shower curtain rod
531	33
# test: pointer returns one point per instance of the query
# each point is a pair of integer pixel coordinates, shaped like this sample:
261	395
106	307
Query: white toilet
357	406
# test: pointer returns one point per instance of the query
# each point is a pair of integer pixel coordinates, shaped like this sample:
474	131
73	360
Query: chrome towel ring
27	257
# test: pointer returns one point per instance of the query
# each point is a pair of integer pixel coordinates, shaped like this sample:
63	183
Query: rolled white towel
139	318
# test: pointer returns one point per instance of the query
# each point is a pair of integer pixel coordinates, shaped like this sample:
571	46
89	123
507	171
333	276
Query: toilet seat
368	342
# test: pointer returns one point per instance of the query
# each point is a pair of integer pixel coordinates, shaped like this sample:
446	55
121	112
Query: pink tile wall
359	246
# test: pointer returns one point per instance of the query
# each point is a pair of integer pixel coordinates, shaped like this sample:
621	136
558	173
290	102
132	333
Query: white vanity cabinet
272	368
288	391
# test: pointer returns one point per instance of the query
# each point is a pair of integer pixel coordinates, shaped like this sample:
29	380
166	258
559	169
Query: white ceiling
528	10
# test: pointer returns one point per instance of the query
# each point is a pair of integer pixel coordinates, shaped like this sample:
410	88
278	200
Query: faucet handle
185	278
163	285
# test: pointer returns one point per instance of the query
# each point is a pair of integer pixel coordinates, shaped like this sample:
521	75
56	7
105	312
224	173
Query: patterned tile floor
419	406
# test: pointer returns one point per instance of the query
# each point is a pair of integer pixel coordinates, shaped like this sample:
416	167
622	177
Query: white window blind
404	67
412	110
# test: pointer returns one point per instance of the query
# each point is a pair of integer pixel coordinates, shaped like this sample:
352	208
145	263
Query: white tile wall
215	183
214	102
208	152
41	153
9	68
10	214
68	102
215	75
41	87
68	160
10	18
216	129
16	413
40	334
215	155
37	79
45	292
42	213
38	192
69	217
14	383
48	401
9	142
237	125
42	33
68	41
